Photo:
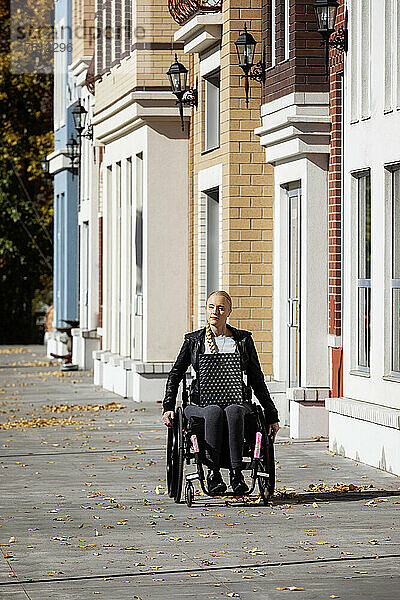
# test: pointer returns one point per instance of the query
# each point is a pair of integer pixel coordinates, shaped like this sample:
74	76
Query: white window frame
362	282
208	179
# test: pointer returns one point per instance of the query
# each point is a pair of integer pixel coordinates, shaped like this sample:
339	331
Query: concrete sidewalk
84	512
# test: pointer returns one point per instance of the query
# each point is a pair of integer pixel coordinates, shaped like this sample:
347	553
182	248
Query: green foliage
25	248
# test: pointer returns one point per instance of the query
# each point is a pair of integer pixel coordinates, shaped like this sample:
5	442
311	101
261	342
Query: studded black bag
220	379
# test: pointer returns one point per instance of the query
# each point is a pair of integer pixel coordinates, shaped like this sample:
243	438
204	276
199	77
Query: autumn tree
26	200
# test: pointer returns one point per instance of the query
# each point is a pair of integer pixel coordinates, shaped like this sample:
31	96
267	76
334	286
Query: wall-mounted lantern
73	153
177	74
45	164
245	48
79	114
325	12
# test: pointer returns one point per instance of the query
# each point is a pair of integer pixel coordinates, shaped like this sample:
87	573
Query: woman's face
218	310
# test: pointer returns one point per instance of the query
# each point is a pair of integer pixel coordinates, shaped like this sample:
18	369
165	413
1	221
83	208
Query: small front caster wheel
189	494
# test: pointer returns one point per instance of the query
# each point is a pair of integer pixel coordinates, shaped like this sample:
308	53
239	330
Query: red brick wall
334	185
304	70
334	208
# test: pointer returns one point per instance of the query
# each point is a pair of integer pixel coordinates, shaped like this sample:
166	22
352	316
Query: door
293	322
85	274
138	320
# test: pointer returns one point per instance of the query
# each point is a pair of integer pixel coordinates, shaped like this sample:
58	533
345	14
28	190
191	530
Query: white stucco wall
165	243
371	140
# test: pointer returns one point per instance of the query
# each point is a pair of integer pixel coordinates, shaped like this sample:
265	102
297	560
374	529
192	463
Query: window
279	26
395	360
139	224
388	54
212	85
286	30
138	249
354	59
127	28
213	249
364	270
116	30
273	33
107	35
365	58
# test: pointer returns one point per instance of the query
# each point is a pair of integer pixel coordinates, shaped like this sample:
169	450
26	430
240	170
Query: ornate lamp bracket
340	39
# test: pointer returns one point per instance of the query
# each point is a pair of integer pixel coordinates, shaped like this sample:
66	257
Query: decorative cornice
364	411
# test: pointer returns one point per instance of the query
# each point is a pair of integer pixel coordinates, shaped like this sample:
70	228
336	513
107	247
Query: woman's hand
273	428
168	417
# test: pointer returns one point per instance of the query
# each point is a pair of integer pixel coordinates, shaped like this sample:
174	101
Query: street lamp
326	12
177	74
245	48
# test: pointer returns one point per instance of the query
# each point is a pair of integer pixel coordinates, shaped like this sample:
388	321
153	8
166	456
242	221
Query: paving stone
86	506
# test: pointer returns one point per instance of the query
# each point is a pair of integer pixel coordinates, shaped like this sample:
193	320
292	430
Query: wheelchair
185	444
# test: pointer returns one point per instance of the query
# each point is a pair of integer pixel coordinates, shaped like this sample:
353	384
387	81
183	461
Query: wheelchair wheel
175	456
189	493
267	460
170	437
178	469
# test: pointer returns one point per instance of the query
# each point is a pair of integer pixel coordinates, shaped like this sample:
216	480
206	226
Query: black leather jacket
194	344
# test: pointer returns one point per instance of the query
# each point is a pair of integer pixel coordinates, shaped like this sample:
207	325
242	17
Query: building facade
142	199
230	185
333	145
65	289
295	133
364	420
85	337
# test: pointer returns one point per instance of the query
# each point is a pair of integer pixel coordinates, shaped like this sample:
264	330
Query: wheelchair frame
183	446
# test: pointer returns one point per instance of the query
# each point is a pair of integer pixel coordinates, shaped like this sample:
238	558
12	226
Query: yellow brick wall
144	67
82	28
247	188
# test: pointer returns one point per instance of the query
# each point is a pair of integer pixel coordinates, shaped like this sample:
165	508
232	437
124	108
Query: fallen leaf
39	422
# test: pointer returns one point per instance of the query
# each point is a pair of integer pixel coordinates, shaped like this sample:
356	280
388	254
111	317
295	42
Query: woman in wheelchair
218	394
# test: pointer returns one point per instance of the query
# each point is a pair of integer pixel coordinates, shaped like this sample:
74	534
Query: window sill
209	150
358	373
392	377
